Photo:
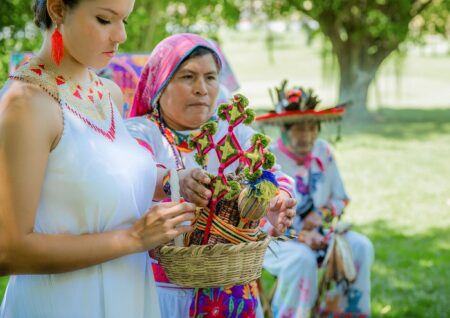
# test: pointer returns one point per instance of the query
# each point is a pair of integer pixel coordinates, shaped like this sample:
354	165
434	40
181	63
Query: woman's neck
288	151
69	67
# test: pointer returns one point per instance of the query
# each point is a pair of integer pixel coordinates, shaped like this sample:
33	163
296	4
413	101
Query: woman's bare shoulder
28	106
26	96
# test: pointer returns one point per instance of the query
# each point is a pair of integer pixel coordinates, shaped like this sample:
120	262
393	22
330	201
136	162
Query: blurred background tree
364	33
17	31
150	22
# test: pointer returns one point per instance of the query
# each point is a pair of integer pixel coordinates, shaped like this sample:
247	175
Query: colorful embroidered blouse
318	178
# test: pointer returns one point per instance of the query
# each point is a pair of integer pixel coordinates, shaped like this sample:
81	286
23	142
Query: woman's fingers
171	209
193	186
200	176
197	196
178	220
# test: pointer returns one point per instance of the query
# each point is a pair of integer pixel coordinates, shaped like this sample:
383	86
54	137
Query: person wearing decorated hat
321	196
176	95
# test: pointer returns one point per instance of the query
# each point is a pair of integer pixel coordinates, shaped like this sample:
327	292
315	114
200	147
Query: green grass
395	167
3	282
396	171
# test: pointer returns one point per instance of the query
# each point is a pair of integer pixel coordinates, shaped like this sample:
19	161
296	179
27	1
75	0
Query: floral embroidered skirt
237	301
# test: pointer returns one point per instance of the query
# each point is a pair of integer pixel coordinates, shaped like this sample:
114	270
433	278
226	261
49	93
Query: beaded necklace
178	142
91	102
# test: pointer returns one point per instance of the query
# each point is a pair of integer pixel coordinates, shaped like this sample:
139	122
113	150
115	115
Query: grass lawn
396	172
396	168
3	282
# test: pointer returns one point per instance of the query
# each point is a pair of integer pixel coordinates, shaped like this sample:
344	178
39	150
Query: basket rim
210	250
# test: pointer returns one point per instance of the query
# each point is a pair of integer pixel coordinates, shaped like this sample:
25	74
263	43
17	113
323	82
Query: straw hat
298	104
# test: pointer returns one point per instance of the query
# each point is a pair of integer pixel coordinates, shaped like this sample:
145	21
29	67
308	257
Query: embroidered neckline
178	139
178	142
91	102
305	161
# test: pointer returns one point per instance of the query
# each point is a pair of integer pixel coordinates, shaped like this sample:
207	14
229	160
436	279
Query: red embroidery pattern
110	134
76	99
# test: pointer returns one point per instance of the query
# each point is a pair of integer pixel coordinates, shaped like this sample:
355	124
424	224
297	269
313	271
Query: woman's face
302	136
93	30
188	100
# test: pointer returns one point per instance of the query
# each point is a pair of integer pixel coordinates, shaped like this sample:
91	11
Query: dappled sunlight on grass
403	181
410	274
397	173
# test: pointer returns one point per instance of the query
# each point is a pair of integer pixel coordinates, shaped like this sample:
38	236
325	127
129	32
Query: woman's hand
312	221
193	186
312	238
161	224
281	211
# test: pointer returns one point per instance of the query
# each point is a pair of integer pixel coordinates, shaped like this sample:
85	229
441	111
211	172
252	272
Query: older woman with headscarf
177	94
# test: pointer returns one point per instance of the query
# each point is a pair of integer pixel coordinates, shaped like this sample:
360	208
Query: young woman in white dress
75	187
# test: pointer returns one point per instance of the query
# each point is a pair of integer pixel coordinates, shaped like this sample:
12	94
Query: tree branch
421	6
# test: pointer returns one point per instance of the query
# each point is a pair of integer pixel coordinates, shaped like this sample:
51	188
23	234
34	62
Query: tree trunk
357	69
357	66
354	87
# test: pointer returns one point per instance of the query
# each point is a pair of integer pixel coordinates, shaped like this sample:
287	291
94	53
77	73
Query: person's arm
339	198
30	126
193	182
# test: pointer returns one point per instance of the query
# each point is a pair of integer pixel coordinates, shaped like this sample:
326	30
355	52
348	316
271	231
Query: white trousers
295	266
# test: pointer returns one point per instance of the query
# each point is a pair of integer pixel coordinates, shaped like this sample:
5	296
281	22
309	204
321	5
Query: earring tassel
57	46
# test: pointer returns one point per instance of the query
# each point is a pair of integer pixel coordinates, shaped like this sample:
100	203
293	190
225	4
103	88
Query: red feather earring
57	46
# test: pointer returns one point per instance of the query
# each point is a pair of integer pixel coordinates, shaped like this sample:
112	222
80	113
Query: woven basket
227	211
220	265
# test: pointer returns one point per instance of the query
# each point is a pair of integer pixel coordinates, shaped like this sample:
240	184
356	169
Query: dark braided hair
42	18
201	51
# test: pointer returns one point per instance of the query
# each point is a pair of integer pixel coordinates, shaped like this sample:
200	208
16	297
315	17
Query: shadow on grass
411	272
418	124
410	275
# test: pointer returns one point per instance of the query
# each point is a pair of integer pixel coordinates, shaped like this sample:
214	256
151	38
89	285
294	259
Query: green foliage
17	31
364	33
146	26
379	24
150	22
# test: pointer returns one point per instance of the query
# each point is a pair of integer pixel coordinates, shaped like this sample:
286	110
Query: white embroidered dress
98	179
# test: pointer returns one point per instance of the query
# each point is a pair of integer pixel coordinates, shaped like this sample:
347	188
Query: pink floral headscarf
161	66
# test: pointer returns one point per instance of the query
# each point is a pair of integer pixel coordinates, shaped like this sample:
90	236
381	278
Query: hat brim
295	116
